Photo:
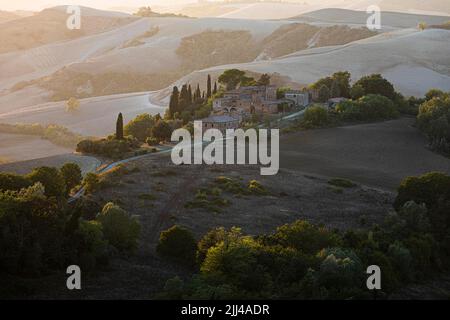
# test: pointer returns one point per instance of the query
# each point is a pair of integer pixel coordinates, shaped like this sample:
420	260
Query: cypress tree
198	93
190	94
184	101
119	127
208	87
173	105
215	88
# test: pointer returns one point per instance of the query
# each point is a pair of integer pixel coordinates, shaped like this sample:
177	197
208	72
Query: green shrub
315	116
93	248
343	183
110	147
71	174
209	240
91	182
434	120
370	107
401	260
11	181
151	141
235	262
255	187
432	189
51	178
305	237
340	272
120	229
140	127
376	84
178	244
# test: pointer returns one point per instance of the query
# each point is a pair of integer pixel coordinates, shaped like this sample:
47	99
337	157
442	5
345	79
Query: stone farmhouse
248	100
299	98
220	122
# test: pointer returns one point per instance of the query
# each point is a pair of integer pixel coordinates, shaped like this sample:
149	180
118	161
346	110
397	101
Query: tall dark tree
190	94
119	127
215	87
174	101
198	93
184	101
208	87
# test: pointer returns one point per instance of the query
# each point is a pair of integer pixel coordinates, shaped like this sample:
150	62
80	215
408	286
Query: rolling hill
284	10
352	17
413	60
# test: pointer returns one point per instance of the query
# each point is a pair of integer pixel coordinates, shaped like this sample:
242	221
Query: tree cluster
40	233
434	119
305	261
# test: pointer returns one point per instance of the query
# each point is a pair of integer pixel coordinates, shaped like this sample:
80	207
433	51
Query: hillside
149	54
352	17
406	54
285	10
6	16
49	26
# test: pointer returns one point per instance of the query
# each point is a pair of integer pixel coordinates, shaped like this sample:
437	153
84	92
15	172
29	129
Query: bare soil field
86	163
377	154
16	147
158	193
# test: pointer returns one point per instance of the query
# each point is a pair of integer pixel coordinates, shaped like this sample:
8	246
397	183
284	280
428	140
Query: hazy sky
100	4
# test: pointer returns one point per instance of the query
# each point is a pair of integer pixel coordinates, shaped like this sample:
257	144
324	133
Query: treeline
40	233
306	261
145	128
188	104
371	98
56	134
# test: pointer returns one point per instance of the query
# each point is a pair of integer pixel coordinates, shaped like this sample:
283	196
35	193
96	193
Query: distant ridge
391	19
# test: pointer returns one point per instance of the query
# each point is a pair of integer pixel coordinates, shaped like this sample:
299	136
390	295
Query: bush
235	262
178	244
151	141
52	180
92	247
357	92
140	127
209	240
11	181
111	147
71	174
343	183
315	116
91	182
434	120
305	237
376	84
255	187
428	188
162	131
120	229
370	107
